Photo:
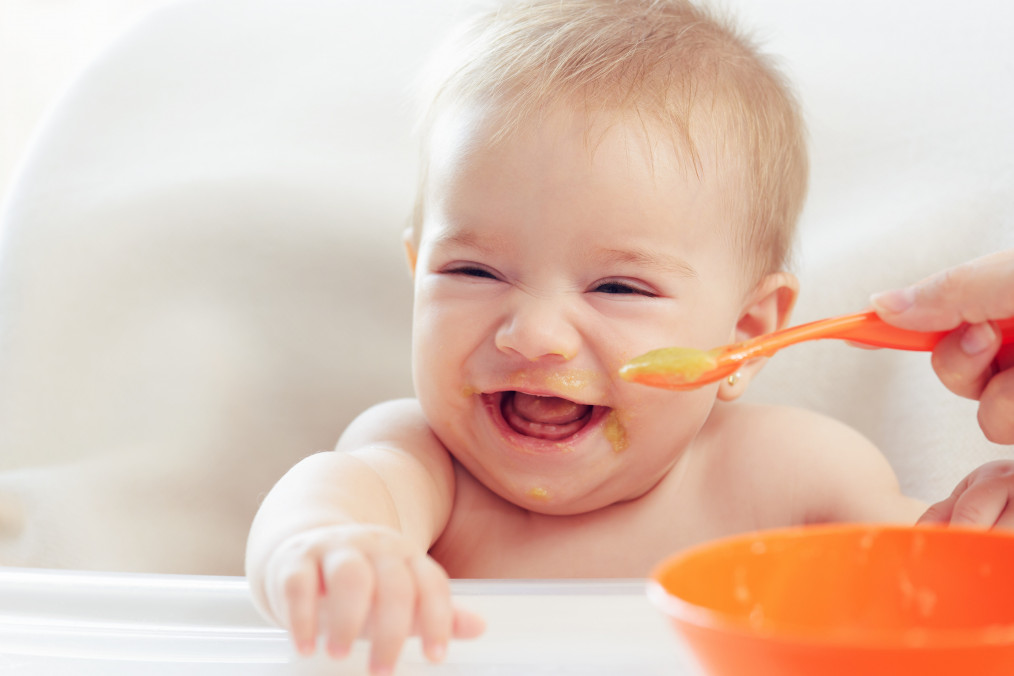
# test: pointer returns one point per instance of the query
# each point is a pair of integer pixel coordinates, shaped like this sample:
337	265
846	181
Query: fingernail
895	301
436	652
306	647
977	338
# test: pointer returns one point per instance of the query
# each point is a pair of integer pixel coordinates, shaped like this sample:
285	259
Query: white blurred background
908	107
43	43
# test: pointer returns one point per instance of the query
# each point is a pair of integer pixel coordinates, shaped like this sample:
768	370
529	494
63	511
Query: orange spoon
684	368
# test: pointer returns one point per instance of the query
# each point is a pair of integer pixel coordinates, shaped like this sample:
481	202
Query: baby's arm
982	499
342	539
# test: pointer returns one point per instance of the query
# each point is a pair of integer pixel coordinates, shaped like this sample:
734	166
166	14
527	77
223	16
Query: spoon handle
865	328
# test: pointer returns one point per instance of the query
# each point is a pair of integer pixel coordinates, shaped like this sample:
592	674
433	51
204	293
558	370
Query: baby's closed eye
472	270
622	286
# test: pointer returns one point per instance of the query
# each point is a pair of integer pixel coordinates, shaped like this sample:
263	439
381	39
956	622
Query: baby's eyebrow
661	262
470	240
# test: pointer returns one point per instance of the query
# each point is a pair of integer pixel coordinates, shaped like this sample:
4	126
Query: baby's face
543	264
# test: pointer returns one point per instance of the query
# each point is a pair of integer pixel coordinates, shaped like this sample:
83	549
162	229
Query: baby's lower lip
545	424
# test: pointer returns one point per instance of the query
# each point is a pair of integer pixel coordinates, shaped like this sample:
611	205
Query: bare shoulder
784	429
396	432
389	421
810	467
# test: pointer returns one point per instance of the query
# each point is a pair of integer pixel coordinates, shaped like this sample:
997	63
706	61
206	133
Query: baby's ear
767	308
411	253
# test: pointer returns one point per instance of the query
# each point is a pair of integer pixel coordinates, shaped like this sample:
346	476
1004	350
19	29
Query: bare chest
488	537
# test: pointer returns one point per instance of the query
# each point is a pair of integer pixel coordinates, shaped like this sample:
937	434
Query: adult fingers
963	360
1006	520
996	408
981	505
973	292
938	513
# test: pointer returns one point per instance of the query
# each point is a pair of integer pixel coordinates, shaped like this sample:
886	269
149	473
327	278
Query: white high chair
201	276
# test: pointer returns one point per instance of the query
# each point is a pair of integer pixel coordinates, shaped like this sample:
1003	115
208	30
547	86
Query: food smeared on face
615	432
539	493
565	383
572	382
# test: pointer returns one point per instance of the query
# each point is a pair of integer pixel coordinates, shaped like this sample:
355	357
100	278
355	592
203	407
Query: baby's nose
538	327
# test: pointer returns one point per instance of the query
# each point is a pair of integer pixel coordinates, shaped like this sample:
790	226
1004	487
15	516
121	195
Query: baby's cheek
667	422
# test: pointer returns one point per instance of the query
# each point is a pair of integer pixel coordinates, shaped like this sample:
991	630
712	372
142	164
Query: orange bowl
852	599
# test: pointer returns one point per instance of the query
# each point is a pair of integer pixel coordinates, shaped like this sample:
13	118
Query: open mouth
541	417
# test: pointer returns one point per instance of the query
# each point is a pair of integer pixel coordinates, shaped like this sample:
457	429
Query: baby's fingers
467	624
348	591
300	587
393	612
434	615
438	620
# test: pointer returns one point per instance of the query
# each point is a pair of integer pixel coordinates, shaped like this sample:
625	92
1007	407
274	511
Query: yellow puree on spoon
674	368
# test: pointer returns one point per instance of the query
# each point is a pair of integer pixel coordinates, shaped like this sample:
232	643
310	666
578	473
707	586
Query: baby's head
689	77
599	178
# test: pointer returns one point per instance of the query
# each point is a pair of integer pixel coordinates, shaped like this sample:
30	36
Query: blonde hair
670	62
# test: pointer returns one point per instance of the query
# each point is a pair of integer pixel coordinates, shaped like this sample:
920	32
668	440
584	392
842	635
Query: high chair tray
68	622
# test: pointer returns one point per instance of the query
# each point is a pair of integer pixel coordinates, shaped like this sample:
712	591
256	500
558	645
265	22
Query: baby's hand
983	499
370	581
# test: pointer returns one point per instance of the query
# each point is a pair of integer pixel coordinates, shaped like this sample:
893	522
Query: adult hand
970	361
983	499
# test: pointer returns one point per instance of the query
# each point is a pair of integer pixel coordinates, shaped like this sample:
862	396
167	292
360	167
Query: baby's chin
555	498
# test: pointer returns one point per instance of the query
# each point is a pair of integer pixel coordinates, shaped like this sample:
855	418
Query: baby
599	178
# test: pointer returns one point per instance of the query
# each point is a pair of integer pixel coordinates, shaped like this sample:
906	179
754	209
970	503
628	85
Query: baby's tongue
552	418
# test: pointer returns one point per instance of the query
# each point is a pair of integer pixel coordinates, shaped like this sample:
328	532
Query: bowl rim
683	612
